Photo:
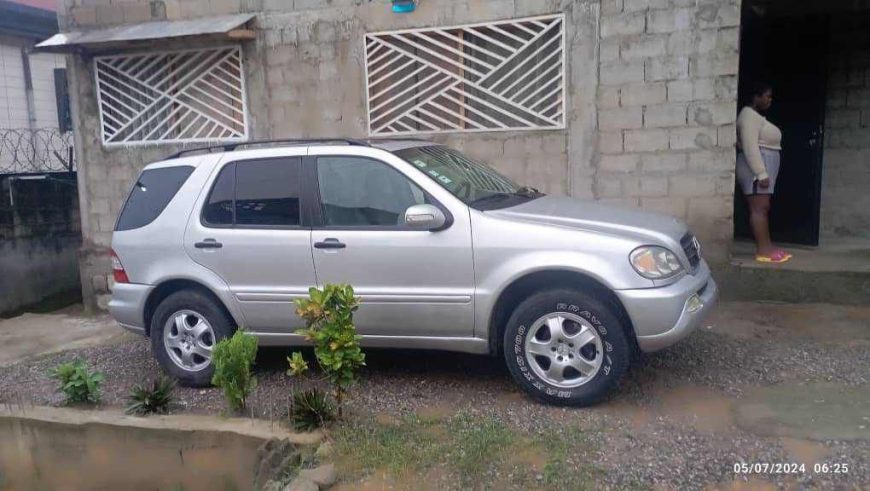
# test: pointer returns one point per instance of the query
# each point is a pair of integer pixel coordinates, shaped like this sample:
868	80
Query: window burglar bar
495	76
172	96
26	151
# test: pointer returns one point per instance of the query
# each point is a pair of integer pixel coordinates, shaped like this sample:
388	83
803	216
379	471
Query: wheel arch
529	283
171	286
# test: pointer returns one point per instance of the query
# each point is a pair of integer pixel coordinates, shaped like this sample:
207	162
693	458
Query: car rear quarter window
255	193
153	190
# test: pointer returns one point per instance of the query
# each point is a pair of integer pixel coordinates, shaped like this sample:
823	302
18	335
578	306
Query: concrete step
836	272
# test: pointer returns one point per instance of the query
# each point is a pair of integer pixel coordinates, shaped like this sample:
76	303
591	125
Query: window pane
219	208
153	190
267	192
362	192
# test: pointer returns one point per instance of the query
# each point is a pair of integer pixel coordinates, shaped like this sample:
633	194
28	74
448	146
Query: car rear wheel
566	347
184	330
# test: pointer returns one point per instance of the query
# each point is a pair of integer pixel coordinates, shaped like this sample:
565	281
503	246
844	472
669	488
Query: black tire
615	349
222	326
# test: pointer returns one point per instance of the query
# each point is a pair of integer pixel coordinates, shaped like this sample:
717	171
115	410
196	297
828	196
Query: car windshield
475	183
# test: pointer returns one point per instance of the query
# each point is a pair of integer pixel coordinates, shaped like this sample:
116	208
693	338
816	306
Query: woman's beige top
753	133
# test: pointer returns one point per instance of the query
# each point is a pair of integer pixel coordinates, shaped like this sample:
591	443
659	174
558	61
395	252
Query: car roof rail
229	147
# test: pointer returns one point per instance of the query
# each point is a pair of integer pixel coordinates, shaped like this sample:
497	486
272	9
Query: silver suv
444	252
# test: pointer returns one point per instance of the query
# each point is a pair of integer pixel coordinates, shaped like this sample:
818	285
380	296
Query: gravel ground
670	424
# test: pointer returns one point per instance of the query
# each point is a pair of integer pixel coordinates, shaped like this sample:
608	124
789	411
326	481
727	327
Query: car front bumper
663	316
127	305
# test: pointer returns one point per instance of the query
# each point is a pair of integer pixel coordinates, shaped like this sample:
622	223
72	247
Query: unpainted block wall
667	103
664	106
846	168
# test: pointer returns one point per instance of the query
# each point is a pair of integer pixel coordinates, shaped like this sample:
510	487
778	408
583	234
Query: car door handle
208	244
330	244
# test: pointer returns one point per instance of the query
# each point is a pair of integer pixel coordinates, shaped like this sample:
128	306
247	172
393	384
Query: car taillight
118	270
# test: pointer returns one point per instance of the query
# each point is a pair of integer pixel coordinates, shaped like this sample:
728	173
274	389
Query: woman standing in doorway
758	143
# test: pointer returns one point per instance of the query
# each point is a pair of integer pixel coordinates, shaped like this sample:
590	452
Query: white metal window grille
494	76
172	96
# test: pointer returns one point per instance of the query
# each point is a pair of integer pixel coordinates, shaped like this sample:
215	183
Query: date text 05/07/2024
790	468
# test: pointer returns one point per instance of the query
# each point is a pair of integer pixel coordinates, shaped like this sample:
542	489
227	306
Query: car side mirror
424	217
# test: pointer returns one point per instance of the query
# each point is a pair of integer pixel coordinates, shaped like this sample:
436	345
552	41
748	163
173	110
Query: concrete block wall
845	207
650	116
666	111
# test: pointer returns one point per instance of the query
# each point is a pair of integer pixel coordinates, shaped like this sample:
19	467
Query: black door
791	54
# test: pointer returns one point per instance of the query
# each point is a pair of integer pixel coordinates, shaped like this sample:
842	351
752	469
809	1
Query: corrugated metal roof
147	31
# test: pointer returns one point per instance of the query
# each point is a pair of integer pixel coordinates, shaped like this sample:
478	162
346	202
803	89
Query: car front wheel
566	347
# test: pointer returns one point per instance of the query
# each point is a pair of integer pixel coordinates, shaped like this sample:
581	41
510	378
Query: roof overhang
225	27
17	19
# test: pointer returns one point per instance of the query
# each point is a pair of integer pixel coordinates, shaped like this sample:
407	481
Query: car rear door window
151	193
255	193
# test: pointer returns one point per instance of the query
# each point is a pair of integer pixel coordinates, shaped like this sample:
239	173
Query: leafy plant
328	315
233	358
312	409
77	382
153	399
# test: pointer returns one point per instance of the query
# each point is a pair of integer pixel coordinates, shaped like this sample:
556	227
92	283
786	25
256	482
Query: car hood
596	217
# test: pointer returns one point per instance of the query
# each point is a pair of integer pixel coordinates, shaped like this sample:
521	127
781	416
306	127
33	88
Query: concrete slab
30	335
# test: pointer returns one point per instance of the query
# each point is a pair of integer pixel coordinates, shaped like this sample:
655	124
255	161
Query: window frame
315	209
304	224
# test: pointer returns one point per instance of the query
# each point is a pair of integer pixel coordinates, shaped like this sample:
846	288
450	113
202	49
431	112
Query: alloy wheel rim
189	340
564	349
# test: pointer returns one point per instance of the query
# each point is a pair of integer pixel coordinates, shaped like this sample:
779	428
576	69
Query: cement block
622	24
669	20
608	50
663	163
622	72
692	186
618	163
713	113
639	5
644	46
692	138
664	115
611	6
643	94
622	118
607	187
671	205
711	66
646	140
667	68
608	97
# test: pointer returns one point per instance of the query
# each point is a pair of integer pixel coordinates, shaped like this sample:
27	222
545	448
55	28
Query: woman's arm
749	126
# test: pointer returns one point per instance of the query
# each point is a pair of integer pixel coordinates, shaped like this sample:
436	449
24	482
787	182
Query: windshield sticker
419	163
445	179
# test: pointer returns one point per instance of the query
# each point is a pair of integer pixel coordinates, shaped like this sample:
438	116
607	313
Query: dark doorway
790	53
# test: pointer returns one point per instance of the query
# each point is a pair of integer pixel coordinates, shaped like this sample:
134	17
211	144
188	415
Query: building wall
14	112
662	96
846	168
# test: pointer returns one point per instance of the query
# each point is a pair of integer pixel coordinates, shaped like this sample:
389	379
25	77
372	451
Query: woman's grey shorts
746	178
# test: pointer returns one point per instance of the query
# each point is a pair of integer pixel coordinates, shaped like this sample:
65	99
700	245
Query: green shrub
77	382
312	409
233	358
153	399
328	315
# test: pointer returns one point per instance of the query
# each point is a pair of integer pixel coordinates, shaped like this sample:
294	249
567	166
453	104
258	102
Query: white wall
13	95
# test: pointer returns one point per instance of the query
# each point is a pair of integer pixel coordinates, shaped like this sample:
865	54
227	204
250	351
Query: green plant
153	399
312	409
233	358
328	315
77	382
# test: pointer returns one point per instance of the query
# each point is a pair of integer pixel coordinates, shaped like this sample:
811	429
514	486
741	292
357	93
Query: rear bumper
127	305
663	316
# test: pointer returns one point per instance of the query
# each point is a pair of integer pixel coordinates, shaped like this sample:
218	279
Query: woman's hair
759	88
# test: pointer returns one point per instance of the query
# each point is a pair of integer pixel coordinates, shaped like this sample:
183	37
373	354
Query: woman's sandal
777	257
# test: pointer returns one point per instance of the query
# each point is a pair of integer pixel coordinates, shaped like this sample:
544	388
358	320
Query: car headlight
655	263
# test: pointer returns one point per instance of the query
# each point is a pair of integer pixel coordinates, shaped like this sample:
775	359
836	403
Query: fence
36	151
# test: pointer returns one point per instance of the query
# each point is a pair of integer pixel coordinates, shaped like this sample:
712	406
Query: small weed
312	409
477	443
78	383
153	399
368	445
233	358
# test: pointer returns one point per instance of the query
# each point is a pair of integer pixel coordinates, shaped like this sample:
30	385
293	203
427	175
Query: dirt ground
762	384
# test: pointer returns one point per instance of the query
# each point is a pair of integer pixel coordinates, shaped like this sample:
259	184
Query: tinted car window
357	192
255	192
154	189
219	207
